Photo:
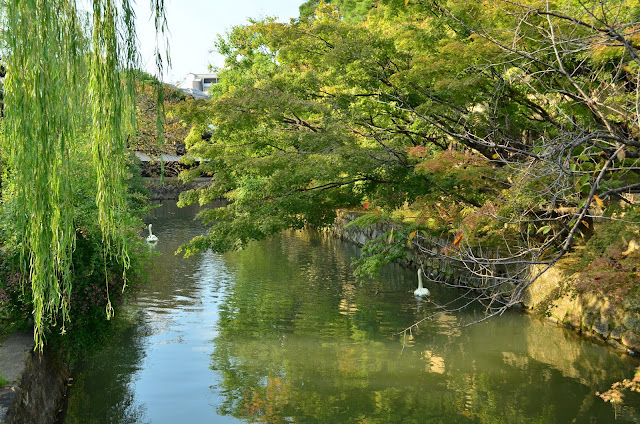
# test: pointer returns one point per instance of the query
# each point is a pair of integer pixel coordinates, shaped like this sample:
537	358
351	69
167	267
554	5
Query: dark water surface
280	332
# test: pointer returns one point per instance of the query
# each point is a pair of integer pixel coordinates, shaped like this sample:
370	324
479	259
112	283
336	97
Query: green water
281	332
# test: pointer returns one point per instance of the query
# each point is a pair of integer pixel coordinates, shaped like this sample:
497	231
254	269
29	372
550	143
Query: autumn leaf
598	201
595	171
366	205
412	234
417	152
457	240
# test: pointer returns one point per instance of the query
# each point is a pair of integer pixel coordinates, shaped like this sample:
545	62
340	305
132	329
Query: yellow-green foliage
52	109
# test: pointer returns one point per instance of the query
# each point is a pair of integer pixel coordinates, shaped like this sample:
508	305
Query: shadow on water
281	332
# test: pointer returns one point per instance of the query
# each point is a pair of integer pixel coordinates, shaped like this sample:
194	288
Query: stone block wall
550	294
595	316
39	394
362	236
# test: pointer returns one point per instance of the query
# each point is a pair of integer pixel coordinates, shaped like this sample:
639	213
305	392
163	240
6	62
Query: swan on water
421	291
151	238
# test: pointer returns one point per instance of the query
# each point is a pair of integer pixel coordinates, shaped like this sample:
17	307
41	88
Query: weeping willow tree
69	80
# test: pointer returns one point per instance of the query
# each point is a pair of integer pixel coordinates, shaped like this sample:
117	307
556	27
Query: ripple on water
281	332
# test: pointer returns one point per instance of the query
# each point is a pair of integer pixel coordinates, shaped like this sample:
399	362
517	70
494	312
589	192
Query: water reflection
281	332
300	341
156	370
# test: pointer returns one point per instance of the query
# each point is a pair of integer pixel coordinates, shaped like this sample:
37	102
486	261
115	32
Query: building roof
192	76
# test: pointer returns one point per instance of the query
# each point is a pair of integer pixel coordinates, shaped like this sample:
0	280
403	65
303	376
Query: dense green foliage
147	138
502	127
96	281
69	101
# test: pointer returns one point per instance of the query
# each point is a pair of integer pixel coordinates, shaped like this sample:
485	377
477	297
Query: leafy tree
558	114
53	110
351	10
147	137
506	126
281	146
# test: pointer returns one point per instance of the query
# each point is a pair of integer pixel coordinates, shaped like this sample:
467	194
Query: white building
200	82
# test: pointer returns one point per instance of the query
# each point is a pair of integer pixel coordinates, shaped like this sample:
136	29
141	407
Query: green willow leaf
50	103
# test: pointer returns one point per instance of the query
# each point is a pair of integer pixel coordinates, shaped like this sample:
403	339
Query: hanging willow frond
109	129
45	59
49	51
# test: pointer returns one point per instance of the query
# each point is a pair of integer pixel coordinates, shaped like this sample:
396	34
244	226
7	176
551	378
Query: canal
281	332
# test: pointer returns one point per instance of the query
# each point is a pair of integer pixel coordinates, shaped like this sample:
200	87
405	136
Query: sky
194	26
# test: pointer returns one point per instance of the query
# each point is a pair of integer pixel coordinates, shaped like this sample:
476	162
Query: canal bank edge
13	358
37	383
597	317
551	295
170	188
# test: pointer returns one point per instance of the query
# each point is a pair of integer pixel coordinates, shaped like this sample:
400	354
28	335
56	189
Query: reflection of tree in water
520	370
306	342
299	340
105	388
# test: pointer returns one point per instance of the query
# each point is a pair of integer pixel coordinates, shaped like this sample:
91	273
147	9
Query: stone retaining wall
450	271
551	294
171	188
594	316
40	391
361	236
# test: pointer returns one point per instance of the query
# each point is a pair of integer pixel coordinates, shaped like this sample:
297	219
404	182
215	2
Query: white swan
151	238
421	291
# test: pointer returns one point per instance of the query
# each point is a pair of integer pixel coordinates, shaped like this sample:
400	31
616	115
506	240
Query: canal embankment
553	296
36	382
169	188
